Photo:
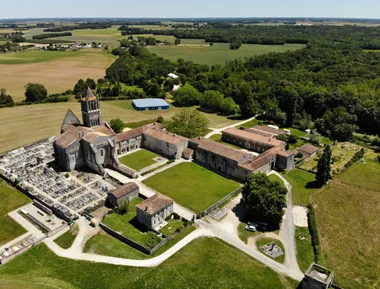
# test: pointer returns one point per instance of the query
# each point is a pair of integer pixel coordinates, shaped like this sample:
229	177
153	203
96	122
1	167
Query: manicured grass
244	234
192	185
275	178
265	240
172	226
104	244
128	226
11	199
139	160
219	53
66	240
303	186
305	253
348	221
218	138
251	123
204	263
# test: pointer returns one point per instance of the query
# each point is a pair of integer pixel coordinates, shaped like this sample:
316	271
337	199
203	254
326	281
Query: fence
218	203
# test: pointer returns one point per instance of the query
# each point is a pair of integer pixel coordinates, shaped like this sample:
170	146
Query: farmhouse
150	104
128	191
153	211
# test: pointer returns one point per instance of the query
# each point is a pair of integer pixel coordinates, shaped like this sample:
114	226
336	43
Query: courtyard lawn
305	253
139	160
303	186
348	221
204	263
66	240
219	53
192	185
128	226
104	244
261	241
172	226
11	199
218	138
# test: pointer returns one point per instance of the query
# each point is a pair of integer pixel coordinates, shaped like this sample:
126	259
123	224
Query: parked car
253	224
250	228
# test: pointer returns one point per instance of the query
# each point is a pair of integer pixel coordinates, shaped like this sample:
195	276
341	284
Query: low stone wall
218	203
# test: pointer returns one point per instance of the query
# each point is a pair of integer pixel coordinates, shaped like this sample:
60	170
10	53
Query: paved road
219	130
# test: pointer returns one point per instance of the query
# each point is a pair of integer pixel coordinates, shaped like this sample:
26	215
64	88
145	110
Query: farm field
191	185
219	53
348	229
34	118
204	263
11	199
139	160
57	70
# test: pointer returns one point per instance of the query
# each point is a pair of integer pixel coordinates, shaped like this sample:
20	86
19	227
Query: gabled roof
70	118
164	136
251	136
124	190
307	149
154	203
67	138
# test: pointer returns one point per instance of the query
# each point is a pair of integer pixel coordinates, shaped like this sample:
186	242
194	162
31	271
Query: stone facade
128	191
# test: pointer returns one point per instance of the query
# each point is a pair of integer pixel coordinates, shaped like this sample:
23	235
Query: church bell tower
90	109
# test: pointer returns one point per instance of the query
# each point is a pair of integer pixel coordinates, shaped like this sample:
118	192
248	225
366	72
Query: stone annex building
95	145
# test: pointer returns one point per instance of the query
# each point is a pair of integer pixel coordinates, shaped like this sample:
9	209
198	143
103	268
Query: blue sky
190	8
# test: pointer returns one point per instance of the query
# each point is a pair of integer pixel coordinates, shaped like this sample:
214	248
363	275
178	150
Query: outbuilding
150	104
128	191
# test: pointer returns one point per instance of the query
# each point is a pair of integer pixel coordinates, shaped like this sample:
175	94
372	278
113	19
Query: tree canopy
324	167
35	92
187	96
117	125
189	122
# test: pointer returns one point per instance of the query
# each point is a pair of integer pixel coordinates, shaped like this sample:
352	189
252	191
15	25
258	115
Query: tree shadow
313	185
239	212
135	223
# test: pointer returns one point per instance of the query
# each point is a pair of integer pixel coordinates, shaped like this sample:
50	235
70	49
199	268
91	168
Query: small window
101	152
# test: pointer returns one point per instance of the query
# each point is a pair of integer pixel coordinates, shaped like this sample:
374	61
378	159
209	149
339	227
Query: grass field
261	241
244	234
66	240
204	263
303	186
34	120
139	160
11	199
274	177
305	253
219	53
104	244
191	185
57	70
348	229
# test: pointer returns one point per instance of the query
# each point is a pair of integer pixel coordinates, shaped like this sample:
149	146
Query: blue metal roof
150	102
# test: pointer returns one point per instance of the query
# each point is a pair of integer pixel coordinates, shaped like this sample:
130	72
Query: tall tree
117	125
189	122
324	167
35	92
187	96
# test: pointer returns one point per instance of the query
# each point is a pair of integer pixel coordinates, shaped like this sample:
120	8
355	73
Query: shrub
150	240
67	175
292	139
355	158
123	207
299	155
313	229
160	119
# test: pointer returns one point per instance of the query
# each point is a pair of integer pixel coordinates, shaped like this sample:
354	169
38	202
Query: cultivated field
139	160
204	263
11	199
219	53
192	186
22	125
57	70
348	228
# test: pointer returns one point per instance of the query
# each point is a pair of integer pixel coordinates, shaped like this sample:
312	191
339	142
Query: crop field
57	70
204	263
11	199
219	53
348	229
191	185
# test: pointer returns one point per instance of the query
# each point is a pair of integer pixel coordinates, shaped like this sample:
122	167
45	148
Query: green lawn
194	41
302	185
218	138
204	263
274	177
219	53
171	226
305	253
128	226
104	244
244	234
251	123
192	185
11	199
66	240
139	160
265	240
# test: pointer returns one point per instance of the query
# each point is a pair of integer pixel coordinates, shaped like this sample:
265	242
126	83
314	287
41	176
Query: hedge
313	229
357	156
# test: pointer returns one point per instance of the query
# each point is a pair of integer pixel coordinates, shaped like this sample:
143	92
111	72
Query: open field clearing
11	199
219	53
303	186
204	263
348	229
27	124
57	70
192	186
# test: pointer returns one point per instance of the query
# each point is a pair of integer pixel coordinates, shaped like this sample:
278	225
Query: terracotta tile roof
221	149
287	153
155	203
164	136
67	138
307	149
263	133
260	160
154	125
129	134
250	136
188	151
267	129
124	190
105	130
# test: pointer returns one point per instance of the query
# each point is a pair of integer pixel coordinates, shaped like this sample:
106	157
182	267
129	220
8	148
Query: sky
189	8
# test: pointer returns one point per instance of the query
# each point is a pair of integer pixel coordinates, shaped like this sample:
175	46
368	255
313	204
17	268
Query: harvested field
58	71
